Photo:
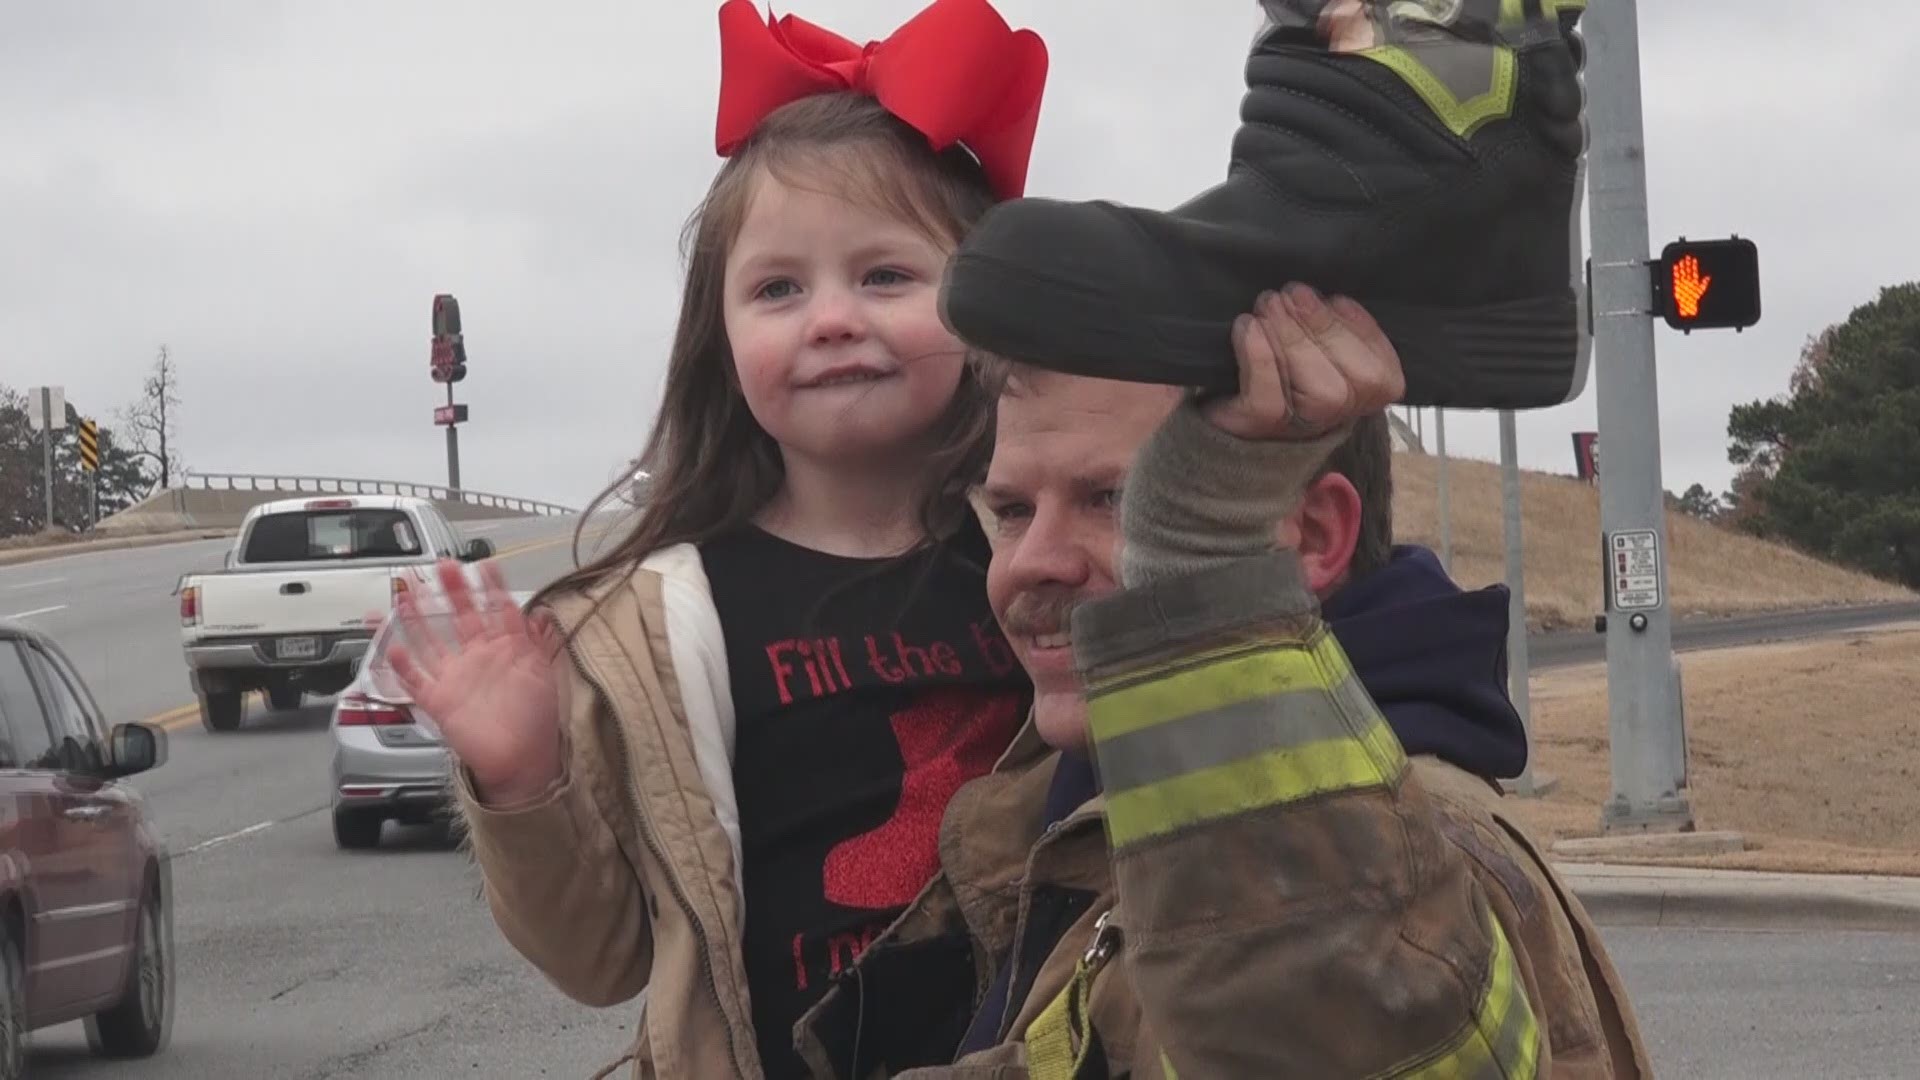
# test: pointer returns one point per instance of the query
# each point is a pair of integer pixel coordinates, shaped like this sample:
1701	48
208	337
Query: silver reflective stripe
1223	736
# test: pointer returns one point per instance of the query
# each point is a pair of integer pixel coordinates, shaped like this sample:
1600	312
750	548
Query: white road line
37	611
36	584
218	840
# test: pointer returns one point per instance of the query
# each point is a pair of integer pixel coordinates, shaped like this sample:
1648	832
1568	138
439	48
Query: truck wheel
221	710
356	830
283	697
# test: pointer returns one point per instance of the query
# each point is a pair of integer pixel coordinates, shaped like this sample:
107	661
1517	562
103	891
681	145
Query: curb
1854	904
16	556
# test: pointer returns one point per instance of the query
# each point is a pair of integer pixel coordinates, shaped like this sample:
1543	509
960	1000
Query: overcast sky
276	190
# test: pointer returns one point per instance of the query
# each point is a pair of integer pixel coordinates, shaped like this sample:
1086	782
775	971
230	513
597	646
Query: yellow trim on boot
1463	118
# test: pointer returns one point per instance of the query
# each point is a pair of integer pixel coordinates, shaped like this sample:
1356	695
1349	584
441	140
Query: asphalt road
1564	647
116	615
298	960
1738	1006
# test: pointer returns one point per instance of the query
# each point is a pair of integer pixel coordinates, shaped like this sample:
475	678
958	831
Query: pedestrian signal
1708	284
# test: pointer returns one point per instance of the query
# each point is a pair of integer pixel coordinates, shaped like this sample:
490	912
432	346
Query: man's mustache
1047	612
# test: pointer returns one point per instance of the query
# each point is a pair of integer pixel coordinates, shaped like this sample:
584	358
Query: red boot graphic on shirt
947	737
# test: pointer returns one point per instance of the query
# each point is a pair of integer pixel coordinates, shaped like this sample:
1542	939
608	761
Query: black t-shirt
865	692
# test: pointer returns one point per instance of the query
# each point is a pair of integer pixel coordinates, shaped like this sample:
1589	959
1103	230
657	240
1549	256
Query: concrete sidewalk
1662	896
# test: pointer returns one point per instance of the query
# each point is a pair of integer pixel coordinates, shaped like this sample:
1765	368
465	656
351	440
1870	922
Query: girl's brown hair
711	466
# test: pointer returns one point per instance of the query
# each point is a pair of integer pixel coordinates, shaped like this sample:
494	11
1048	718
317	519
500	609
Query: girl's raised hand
491	689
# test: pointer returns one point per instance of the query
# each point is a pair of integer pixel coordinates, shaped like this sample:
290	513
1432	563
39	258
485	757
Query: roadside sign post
46	448
90	464
449	366
1519	667
451	415
46	413
1642	717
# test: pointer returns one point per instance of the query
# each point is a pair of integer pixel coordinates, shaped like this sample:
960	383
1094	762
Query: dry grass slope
1811	749
1714	571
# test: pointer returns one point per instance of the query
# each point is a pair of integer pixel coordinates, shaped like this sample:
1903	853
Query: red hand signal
1689	286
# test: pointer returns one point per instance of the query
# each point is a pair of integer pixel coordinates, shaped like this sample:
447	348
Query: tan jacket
1268	887
624	876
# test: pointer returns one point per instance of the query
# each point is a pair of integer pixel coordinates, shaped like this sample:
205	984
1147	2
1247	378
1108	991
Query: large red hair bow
956	72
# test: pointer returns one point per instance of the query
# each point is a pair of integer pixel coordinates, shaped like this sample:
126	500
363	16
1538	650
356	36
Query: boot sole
1485	357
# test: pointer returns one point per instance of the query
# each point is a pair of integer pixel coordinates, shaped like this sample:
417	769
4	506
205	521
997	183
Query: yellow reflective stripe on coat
1214	682
1503	1042
1317	733
1057	1039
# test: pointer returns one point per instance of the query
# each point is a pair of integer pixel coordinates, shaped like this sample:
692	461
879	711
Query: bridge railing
345	485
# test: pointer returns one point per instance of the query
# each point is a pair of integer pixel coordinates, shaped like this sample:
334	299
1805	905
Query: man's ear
1325	530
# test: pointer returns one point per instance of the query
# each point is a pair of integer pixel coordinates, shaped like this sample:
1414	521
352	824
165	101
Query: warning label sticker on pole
1633	570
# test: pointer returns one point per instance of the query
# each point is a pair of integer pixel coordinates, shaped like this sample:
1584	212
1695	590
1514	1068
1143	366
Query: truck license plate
298	648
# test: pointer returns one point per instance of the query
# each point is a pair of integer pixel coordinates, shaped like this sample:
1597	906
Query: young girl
713	763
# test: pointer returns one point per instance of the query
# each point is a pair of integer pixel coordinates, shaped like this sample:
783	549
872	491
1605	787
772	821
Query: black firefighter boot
1421	156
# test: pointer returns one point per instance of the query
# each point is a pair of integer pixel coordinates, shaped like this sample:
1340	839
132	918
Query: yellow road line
541	545
174	719
182	716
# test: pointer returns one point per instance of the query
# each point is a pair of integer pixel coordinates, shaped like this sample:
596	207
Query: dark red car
86	903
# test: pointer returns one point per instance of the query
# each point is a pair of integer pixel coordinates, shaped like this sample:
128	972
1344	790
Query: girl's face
830	309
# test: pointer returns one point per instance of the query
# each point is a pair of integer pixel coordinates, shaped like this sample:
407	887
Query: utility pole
1643	718
1519	666
46	444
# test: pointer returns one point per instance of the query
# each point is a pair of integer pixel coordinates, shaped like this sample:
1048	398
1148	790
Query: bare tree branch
152	422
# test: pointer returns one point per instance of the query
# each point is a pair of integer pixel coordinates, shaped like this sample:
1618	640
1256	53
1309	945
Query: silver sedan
388	761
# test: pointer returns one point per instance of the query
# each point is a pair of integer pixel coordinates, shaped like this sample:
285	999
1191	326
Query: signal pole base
1668	814
1629	848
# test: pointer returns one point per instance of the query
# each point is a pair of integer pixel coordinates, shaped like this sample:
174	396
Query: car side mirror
227	559
478	550
135	748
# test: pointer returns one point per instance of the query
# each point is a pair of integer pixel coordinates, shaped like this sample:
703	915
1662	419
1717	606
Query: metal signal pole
1643	714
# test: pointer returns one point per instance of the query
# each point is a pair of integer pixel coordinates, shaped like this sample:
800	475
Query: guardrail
343	485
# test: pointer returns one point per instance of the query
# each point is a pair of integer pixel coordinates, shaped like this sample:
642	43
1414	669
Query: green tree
1698	502
1834	465
1744	504
123	478
22	507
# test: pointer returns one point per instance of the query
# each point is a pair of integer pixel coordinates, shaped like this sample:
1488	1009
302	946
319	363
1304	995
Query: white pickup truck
288	614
